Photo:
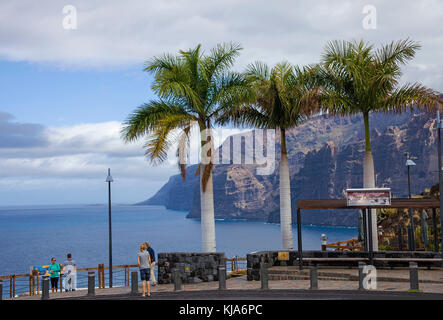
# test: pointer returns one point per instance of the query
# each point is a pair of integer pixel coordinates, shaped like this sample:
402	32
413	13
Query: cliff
325	155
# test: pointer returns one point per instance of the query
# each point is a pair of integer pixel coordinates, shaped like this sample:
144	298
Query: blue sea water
32	235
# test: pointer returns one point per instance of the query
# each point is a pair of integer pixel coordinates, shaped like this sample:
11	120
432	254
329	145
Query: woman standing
143	262
54	274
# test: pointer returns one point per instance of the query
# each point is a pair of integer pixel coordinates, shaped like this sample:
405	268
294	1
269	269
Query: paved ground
394	286
271	295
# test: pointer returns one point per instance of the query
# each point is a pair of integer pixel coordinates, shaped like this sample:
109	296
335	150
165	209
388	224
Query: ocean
32	235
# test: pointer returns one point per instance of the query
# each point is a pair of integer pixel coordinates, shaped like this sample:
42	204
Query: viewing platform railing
29	283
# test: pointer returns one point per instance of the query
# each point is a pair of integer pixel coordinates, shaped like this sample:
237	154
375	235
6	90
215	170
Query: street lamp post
409	164
440	175
109	180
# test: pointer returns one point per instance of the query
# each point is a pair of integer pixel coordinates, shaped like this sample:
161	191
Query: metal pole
264	276
45	288
1	289
371	254
222	278
365	229
411	215
313	277
400	238
440	176
91	283
413	275
434	223
110	232
177	280
361	276
299	240
134	283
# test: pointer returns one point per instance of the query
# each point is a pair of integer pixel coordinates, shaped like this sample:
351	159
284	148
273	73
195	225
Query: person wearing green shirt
54	274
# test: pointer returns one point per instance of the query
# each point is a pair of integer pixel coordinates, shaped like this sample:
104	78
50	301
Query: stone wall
271	259
194	266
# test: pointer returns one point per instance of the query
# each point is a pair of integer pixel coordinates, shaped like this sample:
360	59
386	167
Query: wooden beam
342	204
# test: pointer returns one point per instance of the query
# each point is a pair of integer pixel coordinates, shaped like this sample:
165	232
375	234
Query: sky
72	71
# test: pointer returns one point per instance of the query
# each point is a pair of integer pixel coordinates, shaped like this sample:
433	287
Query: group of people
146	263
68	269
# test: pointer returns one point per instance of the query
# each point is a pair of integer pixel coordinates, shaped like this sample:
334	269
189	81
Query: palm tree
193	90
358	79
280	103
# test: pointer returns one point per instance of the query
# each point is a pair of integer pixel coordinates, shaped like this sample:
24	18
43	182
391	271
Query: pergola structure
327	204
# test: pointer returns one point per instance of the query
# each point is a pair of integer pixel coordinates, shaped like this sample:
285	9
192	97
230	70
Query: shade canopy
398	203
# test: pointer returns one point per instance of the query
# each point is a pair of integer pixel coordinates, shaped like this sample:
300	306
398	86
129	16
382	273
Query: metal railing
30	283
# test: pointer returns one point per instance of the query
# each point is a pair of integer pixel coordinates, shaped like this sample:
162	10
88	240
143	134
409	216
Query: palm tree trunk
369	178
207	214
207	199
285	197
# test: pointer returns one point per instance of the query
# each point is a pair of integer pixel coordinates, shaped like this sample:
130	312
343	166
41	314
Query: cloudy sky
64	92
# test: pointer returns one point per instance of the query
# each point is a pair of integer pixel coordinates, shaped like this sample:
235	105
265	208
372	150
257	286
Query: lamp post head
409	163
109	177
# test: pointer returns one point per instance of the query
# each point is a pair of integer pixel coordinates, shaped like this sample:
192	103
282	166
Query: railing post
1	289
400	238
13	286
60	280
264	276
134	283
222	278
91	283
33	282
177	279
103	276
361	276
45	288
313	276
99	277
38	282
413	275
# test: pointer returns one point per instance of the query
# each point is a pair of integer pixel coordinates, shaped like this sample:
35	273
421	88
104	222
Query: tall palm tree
193	90
280	102
356	78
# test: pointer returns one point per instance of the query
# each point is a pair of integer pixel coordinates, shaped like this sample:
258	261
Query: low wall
194	266
271	259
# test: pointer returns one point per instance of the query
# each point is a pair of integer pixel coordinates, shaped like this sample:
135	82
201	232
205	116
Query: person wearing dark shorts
54	274
144	262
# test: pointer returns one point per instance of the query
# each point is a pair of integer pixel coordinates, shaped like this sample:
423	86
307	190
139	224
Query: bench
340	261
428	262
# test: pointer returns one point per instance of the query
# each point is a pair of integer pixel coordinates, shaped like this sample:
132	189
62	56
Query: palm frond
410	96
396	53
147	117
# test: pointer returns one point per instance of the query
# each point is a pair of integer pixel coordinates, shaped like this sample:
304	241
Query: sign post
368	198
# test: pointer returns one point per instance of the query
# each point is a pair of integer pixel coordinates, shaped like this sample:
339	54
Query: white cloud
120	33
72	166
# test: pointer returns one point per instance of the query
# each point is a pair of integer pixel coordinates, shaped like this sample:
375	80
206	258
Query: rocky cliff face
325	155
